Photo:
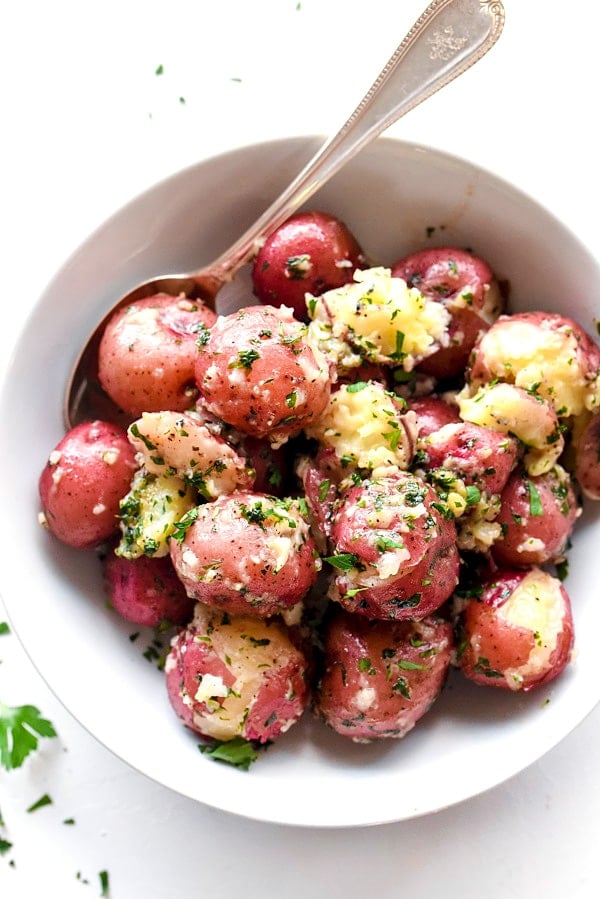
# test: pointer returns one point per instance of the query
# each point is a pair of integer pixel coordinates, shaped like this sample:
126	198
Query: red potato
271	466
467	287
537	517
247	553
259	373
519	633
380	677
147	354
310	253
321	476
549	354
233	677
478	456
146	591
587	457
432	413
395	555
85	477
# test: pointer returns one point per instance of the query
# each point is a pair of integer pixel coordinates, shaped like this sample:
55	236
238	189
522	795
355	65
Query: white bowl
473	738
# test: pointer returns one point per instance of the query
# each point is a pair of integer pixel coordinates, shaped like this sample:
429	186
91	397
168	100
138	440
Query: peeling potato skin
312	252
381	677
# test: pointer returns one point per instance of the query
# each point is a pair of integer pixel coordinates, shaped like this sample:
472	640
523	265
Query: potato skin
467	287
537	517
146	591
310	253
519	633
587	458
395	555
380	677
147	353
479	456
259	373
236	676
432	413
86	476
247	553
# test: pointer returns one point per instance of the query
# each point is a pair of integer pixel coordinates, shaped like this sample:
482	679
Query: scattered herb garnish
104	884
4	628
41	802
535	503
343	561
237	752
20	728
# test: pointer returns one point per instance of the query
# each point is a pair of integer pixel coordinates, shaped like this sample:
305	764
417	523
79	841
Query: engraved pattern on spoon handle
447	39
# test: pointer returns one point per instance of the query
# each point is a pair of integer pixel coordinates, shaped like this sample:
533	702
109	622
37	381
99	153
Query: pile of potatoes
366	476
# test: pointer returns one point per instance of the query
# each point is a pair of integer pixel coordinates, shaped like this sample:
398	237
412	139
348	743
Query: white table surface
87	124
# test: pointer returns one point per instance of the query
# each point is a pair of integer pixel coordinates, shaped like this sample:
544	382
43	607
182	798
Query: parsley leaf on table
20	727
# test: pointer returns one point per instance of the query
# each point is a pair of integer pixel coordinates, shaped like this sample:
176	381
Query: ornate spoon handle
448	38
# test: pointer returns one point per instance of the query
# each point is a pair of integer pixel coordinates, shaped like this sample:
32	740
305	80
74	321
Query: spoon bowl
446	40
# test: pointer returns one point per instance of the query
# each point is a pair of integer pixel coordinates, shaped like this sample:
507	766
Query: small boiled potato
146	591
367	427
477	455
537	517
394	554
247	553
380	677
149	513
466	286
587	457
432	413
259	372
548	354
84	479
147	353
236	676
177	443
310	253
519	633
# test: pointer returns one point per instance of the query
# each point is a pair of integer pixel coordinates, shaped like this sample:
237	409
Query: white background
86	124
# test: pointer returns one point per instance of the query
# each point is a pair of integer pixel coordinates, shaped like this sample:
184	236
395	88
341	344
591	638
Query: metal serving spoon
448	37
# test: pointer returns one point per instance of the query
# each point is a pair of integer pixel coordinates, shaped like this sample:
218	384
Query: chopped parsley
4	628
104	883
237	752
41	802
245	359
535	502
343	561
180	529
356	387
20	728
473	495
